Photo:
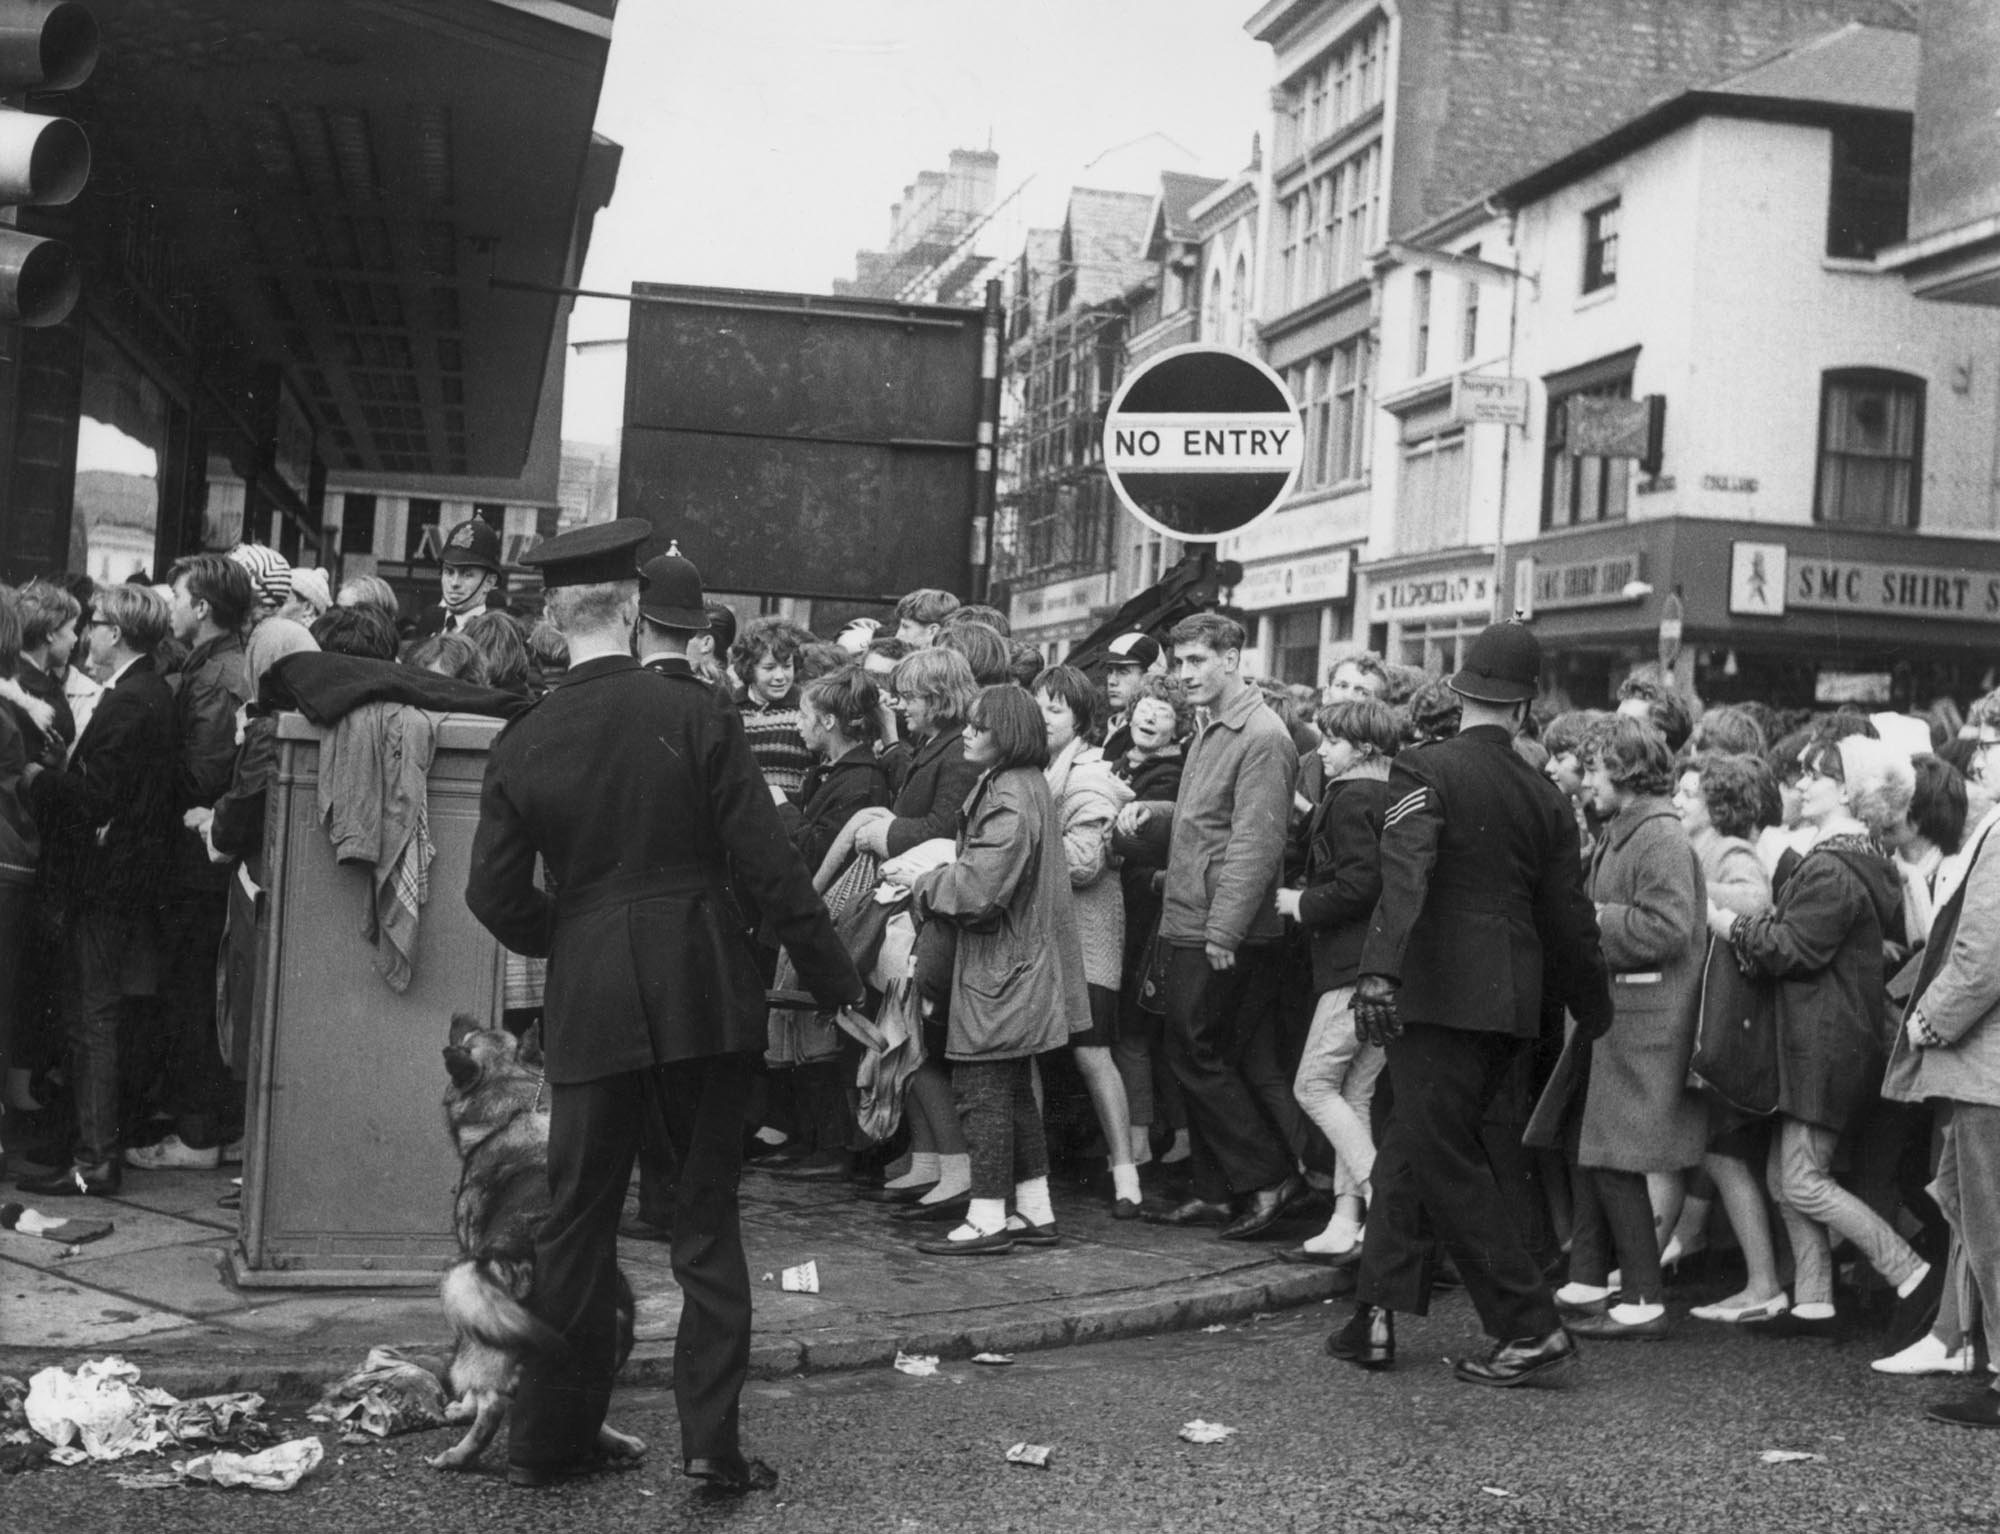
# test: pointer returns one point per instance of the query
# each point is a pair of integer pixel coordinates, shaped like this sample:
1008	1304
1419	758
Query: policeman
638	792
675	619
1483	931
468	570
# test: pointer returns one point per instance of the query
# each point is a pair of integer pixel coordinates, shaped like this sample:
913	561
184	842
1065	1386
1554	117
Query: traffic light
45	45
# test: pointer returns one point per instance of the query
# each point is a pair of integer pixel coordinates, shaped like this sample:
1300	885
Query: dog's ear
528	1050
463	1068
462	1023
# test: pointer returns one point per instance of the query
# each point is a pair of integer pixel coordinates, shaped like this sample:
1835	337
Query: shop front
1798	617
1424	612
1300	609
1054	617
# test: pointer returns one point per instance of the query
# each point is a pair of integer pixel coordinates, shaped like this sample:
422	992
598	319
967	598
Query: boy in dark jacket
1343	879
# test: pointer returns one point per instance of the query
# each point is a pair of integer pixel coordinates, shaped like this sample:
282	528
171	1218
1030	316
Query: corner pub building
287	244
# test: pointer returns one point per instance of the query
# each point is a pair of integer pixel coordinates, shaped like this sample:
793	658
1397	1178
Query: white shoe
1927	1355
173	1154
1576	1296
1737	1315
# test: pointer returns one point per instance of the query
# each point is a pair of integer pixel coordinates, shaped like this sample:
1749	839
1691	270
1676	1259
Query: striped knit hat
269	571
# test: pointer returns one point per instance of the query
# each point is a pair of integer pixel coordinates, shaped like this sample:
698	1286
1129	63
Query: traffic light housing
45	45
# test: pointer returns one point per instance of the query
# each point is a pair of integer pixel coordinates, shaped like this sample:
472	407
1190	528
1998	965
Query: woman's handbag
1736	1039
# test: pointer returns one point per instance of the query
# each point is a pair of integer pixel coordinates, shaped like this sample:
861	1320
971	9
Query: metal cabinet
348	1174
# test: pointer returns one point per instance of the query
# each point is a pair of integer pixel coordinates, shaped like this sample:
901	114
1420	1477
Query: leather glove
1375	1019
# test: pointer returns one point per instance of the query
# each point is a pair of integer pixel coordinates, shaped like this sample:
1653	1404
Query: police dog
499	1123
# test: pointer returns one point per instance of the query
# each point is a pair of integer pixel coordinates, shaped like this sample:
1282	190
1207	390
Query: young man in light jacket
1949	1049
1224	859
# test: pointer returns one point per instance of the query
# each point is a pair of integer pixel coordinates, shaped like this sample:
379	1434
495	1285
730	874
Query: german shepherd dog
499	1123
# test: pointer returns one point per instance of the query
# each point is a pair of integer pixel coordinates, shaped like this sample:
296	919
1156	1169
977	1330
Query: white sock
1180	1150
1031	1201
1582	1294
1124	1183
772	1136
1633	1315
954	1179
1909	1285
1814	1310
923	1171
1142	1144
986	1215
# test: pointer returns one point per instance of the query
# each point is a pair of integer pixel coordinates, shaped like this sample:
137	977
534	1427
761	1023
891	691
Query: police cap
673	596
1133	649
591	556
472	542
1502	665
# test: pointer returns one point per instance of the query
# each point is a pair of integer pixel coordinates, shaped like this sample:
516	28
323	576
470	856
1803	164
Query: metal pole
1503	604
986	468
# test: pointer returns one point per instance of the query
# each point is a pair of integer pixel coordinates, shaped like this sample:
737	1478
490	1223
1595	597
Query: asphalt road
1664	1436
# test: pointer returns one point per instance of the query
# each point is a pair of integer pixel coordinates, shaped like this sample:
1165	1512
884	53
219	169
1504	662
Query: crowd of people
1126	926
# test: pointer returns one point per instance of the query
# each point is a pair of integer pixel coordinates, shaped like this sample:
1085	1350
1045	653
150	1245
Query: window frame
1609	377
1600	252
1875	377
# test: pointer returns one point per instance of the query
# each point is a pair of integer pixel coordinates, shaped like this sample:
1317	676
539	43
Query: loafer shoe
951	1209
75	1182
1001	1240
1524	1361
1982	1410
820	1166
1266	1207
1738	1315
1125	1209
731	1477
895	1196
1927	1355
1196	1211
632	1228
1791	1324
1368	1341
173	1154
1025	1234
1608	1328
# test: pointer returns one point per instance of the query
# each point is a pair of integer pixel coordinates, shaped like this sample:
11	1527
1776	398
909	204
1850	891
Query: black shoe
1607	1327
763	1153
1982	1410
1196	1211
75	1182
908	1195
633	1228
732	1477
952	1209
1368	1341
1265	1208
1126	1209
820	1166
1788	1324
1524	1361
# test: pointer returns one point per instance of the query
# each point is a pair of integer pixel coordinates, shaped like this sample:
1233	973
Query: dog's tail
478	1303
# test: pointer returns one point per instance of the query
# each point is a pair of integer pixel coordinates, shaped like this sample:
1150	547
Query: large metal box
348	1174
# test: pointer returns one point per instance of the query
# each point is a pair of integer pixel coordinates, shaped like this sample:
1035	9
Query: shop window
1868	205
1293	646
423	537
1871	432
1579	490
122	437
1438	647
1600	246
357	524
1430	502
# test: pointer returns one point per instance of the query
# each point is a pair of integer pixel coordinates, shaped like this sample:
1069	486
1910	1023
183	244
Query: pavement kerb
282	1375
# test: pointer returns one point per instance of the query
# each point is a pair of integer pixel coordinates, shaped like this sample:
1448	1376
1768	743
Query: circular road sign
1201	441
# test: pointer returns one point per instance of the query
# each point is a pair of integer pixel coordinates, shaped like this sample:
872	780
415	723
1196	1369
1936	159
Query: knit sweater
775	742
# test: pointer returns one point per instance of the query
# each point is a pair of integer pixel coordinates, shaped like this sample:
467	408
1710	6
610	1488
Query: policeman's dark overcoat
1482	893
649	960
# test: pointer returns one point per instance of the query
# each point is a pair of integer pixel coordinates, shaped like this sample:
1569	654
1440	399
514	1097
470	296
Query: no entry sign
1201	441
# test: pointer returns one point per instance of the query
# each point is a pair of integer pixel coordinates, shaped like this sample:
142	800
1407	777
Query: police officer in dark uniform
638	791
468	572
1482	935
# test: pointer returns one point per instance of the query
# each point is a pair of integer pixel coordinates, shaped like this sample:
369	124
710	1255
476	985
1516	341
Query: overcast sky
766	139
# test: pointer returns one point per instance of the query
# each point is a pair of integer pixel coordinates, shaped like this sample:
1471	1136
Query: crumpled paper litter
388	1394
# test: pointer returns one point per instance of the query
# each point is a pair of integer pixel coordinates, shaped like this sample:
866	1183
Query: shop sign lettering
1424	596
1590	583
1844	585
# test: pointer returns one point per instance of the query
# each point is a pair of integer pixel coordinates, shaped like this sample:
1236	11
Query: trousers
1811	1203
1336	1084
1003	1127
1222	1043
594	1133
1432	1163
1967	1189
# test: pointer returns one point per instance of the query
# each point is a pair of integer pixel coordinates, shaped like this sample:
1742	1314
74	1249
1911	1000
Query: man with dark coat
108	821
468	573
638	793
1482	935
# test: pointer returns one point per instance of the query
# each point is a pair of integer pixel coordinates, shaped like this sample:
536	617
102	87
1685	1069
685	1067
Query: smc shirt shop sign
1201	441
1767	578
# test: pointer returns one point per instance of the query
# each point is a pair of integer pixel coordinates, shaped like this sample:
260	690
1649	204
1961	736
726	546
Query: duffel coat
1017	984
649	961
1652	902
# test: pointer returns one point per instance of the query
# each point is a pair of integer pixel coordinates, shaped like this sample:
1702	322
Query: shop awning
331	187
